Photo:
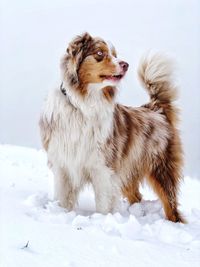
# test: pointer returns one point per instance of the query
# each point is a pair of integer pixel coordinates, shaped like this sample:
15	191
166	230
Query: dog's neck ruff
93	105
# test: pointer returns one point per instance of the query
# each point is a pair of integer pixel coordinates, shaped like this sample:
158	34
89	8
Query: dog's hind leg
165	181
131	191
167	195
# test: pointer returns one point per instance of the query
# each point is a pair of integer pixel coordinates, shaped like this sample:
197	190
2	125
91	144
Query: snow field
35	231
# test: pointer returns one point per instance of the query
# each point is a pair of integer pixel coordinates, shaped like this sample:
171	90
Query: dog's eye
99	53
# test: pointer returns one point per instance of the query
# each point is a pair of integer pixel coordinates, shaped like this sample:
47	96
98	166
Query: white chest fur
77	134
77	130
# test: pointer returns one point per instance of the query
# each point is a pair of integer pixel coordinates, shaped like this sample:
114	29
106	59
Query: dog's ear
76	52
79	44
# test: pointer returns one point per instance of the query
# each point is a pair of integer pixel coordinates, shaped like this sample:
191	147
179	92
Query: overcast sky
34	35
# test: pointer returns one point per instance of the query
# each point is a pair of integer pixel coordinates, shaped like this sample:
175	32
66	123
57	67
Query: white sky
34	35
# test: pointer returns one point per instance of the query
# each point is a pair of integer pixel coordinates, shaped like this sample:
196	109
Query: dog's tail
155	73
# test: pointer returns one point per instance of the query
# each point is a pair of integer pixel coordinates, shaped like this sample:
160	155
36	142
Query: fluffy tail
155	72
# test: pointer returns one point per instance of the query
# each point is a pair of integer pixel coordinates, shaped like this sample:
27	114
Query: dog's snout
123	65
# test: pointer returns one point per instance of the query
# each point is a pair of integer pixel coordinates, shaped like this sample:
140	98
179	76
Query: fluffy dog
89	138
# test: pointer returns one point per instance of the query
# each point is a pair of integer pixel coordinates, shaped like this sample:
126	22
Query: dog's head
90	61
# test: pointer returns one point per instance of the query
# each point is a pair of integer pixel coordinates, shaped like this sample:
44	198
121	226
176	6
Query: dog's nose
123	65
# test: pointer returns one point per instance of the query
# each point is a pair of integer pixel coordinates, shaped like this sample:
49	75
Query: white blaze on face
114	59
108	82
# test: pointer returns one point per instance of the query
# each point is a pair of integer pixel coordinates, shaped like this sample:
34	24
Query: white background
35	34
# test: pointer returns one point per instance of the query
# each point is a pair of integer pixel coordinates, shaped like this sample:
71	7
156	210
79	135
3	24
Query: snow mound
36	231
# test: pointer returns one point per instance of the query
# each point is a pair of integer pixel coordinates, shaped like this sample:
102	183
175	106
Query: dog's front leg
64	189
106	188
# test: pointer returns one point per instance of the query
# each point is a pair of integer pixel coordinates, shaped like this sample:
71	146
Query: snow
35	231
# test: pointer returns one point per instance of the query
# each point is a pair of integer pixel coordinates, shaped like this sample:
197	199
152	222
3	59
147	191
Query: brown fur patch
109	92
168	198
131	191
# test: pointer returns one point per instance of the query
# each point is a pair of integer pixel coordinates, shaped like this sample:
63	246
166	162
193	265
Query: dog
89	138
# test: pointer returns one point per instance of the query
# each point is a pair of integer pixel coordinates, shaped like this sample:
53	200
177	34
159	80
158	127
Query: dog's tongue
114	77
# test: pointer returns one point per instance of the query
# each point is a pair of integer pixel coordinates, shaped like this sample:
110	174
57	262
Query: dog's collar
62	89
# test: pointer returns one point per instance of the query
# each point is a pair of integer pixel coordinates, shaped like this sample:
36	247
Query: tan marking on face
97	64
